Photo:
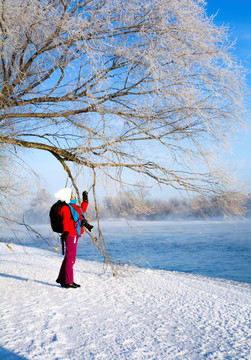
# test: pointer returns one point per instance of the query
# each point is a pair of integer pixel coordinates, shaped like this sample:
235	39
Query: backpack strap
76	218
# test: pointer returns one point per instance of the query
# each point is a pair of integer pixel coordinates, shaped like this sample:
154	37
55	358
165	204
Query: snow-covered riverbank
144	314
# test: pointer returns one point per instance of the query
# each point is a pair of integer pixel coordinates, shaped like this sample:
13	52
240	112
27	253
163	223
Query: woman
72	216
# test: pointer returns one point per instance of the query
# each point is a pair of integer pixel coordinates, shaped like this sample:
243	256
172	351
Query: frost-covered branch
150	87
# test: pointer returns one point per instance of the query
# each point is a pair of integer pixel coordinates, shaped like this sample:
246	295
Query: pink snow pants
66	270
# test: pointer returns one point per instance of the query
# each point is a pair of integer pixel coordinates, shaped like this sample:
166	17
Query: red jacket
68	223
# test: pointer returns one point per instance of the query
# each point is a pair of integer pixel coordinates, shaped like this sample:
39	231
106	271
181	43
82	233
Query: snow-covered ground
143	314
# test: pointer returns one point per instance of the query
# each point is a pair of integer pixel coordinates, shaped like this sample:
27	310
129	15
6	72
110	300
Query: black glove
85	196
64	235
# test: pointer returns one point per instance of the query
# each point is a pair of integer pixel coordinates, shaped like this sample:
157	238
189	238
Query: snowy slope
144	314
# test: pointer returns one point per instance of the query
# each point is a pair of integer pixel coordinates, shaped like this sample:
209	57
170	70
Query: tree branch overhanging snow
149	86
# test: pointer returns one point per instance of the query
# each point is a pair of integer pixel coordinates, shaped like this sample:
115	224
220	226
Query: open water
212	248
215	248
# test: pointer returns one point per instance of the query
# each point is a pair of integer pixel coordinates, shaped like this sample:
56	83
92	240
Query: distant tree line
135	207
131	206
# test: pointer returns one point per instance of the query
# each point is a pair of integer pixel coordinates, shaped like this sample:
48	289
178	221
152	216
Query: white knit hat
64	195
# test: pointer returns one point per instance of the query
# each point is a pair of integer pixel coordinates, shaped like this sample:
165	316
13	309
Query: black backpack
55	217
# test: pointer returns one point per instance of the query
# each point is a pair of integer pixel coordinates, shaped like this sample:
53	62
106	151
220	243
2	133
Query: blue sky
235	14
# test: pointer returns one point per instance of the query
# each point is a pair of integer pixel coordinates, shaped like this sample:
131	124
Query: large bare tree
150	86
